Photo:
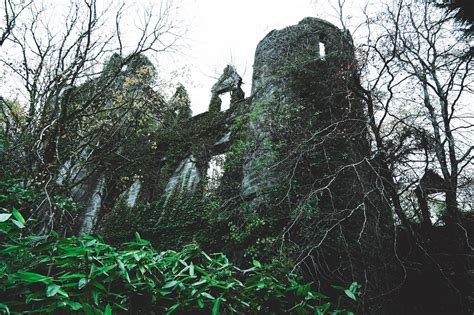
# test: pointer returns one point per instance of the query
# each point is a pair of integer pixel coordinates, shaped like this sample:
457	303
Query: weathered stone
93	208
223	140
133	192
228	81
279	51
185	179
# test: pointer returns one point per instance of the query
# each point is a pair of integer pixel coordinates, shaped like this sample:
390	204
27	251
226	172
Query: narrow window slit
322	50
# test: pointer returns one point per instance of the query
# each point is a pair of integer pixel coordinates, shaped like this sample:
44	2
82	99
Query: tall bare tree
83	77
418	88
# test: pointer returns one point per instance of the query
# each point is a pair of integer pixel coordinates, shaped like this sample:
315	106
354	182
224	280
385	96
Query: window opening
215	171
225	98
322	50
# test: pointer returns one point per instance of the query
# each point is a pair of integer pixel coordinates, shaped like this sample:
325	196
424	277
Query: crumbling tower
311	163
303	69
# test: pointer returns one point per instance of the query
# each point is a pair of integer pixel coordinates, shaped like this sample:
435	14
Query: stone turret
309	139
313	45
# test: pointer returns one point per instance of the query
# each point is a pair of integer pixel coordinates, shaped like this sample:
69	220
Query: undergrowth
55	274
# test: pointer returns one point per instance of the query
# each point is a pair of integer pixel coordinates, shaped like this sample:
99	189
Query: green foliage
242	144
183	220
15	195
56	274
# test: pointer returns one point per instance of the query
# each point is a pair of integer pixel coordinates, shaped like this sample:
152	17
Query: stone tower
311	160
305	52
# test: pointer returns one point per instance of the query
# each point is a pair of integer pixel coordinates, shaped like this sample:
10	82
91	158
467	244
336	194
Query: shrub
57	274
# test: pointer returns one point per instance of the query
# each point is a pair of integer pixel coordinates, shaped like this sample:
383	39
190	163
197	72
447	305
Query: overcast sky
225	32
220	32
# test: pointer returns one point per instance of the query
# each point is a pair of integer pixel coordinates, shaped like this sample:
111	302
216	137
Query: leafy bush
15	194
57	274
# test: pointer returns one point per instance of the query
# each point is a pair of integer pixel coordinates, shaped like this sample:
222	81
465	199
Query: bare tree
82	79
11	11
418	84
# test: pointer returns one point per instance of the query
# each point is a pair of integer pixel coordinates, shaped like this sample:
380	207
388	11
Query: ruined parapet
229	82
211	125
313	45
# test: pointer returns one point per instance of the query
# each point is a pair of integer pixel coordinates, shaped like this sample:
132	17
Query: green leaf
326	306
82	283
52	290
138	237
18	216
18	224
95	297
98	285
200	303
170	284
75	306
350	294
172	308
216	306
257	264
354	286
199	282
207	256
191	270
31	277
72	276
205	294
5	308
108	310
4	217
63	293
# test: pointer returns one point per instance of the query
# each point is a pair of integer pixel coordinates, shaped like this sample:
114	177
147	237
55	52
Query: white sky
225	32
220	32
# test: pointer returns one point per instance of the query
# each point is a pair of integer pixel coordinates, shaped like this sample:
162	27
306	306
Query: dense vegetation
50	273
